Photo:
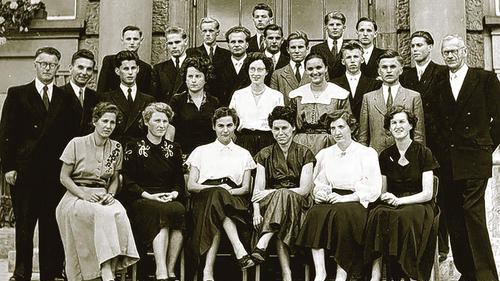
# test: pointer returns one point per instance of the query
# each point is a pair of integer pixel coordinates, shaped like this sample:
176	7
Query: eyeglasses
43	64
257	69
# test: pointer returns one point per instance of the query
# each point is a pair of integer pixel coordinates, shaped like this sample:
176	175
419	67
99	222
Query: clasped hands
332	198
390	199
103	198
164	197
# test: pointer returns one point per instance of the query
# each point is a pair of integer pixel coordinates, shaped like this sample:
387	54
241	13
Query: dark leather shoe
16	278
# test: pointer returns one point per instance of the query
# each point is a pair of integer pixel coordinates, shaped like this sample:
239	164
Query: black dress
404	235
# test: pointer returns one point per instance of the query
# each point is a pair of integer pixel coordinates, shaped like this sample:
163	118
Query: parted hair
156	107
389	54
223	112
334	15
176	30
131	28
48	50
424	34
352	45
263	6
83	53
236	29
106	107
368	20
313	55
255	56
298	35
125	55
273	27
282	113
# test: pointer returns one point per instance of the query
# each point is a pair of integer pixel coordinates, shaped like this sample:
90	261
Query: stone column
115	15
439	18
493	23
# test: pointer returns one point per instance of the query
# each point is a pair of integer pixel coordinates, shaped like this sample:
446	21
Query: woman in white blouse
254	103
346	178
219	180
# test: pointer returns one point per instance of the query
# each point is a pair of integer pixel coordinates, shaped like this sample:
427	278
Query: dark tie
211	54
334	49
297	71
129	96
177	63
261	44
80	97
45	97
389	98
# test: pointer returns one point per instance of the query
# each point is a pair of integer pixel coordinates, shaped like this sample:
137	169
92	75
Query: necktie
274	61
129	96
211	54
177	63
334	49
297	71
419	74
261	44
389	98
80	97
45	97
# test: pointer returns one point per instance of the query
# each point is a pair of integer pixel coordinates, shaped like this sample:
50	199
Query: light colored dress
93	233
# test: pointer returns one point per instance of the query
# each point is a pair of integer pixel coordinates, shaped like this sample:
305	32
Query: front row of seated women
368	208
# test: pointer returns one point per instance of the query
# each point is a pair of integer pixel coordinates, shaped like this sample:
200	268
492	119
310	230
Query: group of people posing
323	150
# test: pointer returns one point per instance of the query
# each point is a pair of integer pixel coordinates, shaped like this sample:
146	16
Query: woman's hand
390	199
225	186
107	199
160	197
93	198
258	196
257	219
335	198
320	197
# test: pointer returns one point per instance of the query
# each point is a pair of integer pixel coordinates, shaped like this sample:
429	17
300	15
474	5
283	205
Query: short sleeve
249	163
383	159
309	156
262	156
69	154
194	158
428	162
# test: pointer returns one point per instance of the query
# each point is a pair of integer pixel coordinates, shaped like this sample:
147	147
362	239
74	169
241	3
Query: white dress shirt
353	81
39	88
394	91
301	68
207	48
457	79
421	69
125	91
238	63
76	90
367	53
340	41
274	57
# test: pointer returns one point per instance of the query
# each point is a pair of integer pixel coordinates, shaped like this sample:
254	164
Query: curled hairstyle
389	54
412	119
83	53
223	112
49	51
423	34
106	107
285	113
334	15
201	64
347	116
263	6
125	55
131	28
298	35
368	20
156	107
255	56
237	29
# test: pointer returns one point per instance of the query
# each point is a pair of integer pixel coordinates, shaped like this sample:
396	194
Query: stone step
7	241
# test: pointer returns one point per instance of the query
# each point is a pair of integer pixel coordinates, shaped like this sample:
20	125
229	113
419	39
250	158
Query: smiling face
157	124
340	131
297	49
81	71
261	19
335	28
389	70
420	50
400	127
257	72
282	131
46	66
224	128
128	72
316	69
105	125
352	59
131	40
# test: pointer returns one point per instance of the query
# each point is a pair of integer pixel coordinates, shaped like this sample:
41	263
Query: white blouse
253	116
215	161
356	169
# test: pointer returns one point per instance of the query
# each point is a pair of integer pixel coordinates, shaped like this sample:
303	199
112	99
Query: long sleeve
363	123
369	187
8	132
130	167
418	110
179	181
493	105
106	75
274	82
155	84
321	183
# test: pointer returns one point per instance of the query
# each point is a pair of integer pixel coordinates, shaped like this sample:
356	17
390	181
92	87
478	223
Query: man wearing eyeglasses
34	130
465	109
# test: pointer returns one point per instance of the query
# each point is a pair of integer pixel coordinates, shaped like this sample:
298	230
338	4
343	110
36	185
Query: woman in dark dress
399	229
282	186
194	108
346	179
154	192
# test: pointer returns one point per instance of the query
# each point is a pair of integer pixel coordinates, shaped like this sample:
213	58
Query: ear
117	71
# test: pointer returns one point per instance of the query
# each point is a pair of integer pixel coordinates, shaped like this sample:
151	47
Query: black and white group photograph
249	140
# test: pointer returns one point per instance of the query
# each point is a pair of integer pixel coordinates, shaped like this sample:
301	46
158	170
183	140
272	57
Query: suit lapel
136	109
290	78
36	102
400	98
360	90
466	90
379	103
119	99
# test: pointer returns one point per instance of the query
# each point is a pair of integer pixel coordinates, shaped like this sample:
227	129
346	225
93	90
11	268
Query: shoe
16	278
245	262
259	255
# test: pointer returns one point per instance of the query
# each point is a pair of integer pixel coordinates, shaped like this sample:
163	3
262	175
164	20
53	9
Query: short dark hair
317	55
49	51
106	107
273	27
346	115
156	107
255	56
223	112
236	29
83	53
352	45
389	54
298	35
282	113
201	64
334	15
125	55
424	34
131	28
412	119
368	20
263	6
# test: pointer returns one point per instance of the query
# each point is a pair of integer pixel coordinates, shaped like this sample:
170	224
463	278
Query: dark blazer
32	138
467	129
129	128
365	85
370	69
82	117
109	81
432	73
253	45
166	81
232	82
335	66
283	61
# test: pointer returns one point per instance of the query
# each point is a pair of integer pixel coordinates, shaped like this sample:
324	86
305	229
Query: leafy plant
17	15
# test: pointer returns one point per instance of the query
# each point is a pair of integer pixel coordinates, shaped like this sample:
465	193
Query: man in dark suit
166	78
83	99
234	75
366	29
131	41
273	36
330	49
262	16
466	112
353	80
218	56
35	128
128	98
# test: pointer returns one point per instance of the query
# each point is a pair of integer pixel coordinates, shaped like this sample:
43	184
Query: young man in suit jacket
166	78
366	29
353	80
292	75
131	40
330	49
34	130
376	104
466	112
129	100
83	99
262	16
273	36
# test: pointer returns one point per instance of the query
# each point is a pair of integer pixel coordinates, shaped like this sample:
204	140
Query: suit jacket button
452	145
35	126
468	113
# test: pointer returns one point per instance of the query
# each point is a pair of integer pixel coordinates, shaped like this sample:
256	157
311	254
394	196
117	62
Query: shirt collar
394	89
330	43
207	48
190	100
294	64
423	67
76	88
461	72
368	50
235	61
269	55
350	76
222	147
39	86
125	90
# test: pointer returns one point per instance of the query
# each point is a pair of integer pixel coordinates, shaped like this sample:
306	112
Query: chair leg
134	272
257	272
182	267
244	275
306	272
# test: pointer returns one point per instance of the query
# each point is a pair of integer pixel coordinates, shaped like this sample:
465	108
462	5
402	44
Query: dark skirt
337	228
282	212
209	209
254	141
403	235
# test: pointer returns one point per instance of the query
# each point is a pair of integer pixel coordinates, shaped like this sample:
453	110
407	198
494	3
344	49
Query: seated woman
219	179
282	186
94	227
346	178
254	103
314	101
399	229
154	192
194	108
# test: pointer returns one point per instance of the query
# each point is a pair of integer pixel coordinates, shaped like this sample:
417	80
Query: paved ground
4	275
